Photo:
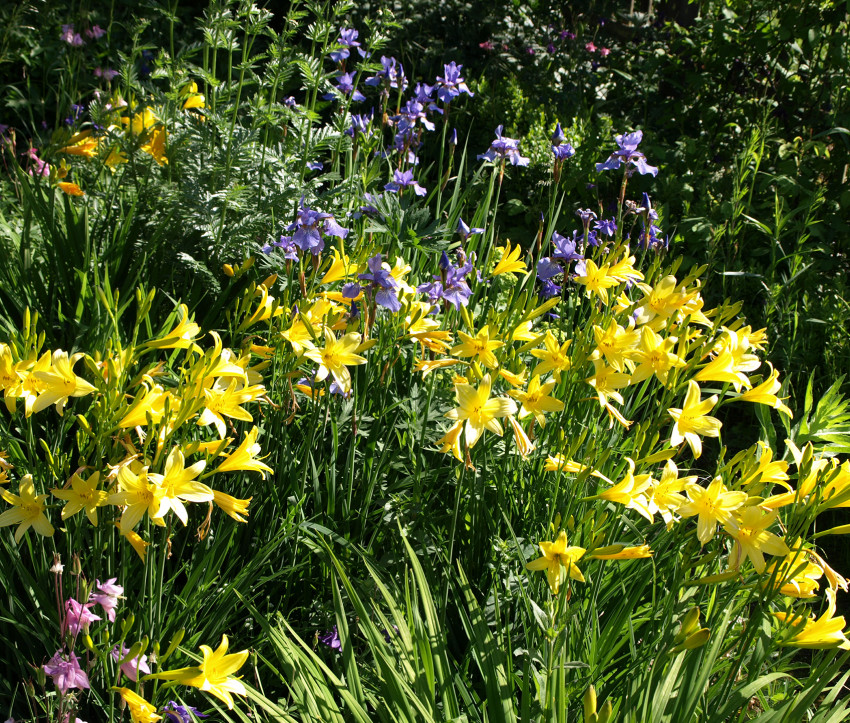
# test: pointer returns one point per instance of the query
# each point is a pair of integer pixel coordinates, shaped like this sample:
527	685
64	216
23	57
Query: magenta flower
590	47
604	52
95	32
66	673
106	596
78	617
131	667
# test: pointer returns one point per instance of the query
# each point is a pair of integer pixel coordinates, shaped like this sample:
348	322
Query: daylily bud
690	624
589	702
606	712
228	270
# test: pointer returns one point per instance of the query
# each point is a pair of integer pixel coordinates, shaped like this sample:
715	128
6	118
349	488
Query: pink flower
66	674
95	32
38	167
67	33
107	597
78	617
133	666
486	45
604	52
77	41
590	48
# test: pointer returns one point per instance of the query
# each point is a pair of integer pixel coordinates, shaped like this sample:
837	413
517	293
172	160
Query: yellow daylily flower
70	189
692	421
509	261
557	557
630	491
213	674
825	632
654	356
749	530
336	357
617	344
714	505
138	495
243	457
83	495
479	411
524	445
341	268
81	144
151	402
140	710
553	357
231	505
595	279
536	400
155	145
663	496
479	347
178	484
59	382
27	510
182	336
765	393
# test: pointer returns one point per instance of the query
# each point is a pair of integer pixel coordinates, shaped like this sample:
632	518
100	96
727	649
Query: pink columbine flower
133	666
106	595
38	167
78	617
590	48
66	673
95	32
604	52
67	33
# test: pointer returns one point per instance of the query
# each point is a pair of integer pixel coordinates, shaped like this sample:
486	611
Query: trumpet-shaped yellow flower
27	510
692	421
765	393
231	505
221	402
59	383
664	495
553	357
213	674
595	279
796	575
825	632
150	403
138	495
70	189
617	344
243	457
154	146
81	144
654	356
140	710
660	302
336	357
766	472
523	332
31	385
624	270
426	367
509	261
140	122
558	558
182	336
266	309
178	484
723	369
9	378
479	411
749	530
606	381
341	268
83	495
819	469
478	347
536	400
450	441
630	491
136	541
714	505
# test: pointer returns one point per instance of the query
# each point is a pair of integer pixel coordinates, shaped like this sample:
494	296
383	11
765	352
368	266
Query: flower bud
589	702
